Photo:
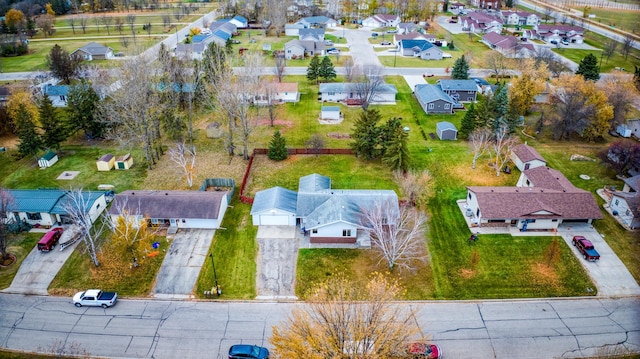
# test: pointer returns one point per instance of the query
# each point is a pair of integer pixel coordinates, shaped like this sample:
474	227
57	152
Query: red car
425	351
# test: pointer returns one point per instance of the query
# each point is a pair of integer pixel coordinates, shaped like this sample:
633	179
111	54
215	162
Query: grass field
622	19
616	60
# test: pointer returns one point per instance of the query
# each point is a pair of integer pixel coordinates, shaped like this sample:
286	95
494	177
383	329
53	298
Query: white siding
335	230
620	205
274	217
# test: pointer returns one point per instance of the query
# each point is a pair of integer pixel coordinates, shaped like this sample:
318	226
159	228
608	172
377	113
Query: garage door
274	220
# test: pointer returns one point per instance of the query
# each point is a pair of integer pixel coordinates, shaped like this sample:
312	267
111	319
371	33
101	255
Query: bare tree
97	21
281	63
166	20
502	144
125	41
45	22
609	48
270	92
416	185
119	24
368	87
620	93
350	69
80	212
71	21
275	13
497	64
131	20
107	20
546	55
342	319
6	200
83	19
479	141
627	44
397	233
245	87
547	13
315	143
185	158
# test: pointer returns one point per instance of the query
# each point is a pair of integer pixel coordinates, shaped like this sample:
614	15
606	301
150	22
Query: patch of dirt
545	275
467	273
338	135
267	122
9	141
9	260
482	175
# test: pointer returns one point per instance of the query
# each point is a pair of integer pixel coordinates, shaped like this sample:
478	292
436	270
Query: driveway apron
38	270
181	266
277	257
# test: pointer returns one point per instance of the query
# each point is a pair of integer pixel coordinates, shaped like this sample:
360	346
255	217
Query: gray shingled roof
429	93
94	48
170	204
313	183
527	153
444	125
347	205
275	197
352	87
458	85
633	182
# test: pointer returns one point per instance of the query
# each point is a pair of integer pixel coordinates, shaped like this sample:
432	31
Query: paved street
562	328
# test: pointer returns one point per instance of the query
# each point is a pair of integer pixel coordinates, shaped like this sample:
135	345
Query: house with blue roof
240	22
353	92
199	38
433	100
420	48
325	214
47	207
460	90
192	51
57	94
318	21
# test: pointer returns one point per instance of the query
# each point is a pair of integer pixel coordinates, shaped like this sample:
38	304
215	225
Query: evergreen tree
277	147
82	104
326	70
313	70
460	69
366	135
396	154
55	131
500	108
61	64
588	68
30	142
468	123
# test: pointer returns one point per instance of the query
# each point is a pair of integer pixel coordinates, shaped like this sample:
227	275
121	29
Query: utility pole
215	276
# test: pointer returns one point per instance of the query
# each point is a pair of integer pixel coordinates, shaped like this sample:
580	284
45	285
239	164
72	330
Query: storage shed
330	113
106	162
124	162
48	159
446	131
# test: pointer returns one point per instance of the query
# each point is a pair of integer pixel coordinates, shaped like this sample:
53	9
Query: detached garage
446	131
275	207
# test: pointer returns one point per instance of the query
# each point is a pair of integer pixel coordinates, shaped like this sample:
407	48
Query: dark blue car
248	351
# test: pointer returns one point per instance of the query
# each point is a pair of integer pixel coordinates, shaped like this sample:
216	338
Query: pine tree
366	135
396	154
314	69
82	107
277	147
468	123
30	142
326	70
460	69
589	68
61	64
55	131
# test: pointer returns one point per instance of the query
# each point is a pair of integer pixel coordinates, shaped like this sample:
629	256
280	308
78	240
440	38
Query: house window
532	221
470	92
617	202
447	106
98	206
430	106
628	212
496	221
314	231
346	233
470	196
331	93
62	98
154	221
554	220
34	216
184	220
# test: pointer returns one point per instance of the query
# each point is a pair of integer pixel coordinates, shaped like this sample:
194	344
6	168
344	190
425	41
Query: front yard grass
20	245
616	60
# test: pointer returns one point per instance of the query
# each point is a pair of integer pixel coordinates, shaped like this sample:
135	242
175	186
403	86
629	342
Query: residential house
293	29
351	93
172	209
296	49
57	94
318	21
460	90
480	22
420	48
625	204
221	31
278	92
558	32
47	207
312	34
520	18
486	4
412	36
484	86
193	51
327	215
433	100
407	27
456	7
240	22
634	126
509	46
526	157
93	51
381	20
446	131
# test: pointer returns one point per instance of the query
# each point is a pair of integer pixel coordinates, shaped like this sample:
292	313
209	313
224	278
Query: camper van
50	239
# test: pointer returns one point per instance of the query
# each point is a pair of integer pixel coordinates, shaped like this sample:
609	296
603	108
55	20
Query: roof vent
517	190
166	193
132	193
541	190
491	190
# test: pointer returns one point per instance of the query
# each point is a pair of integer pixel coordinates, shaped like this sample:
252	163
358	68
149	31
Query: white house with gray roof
311	34
93	51
327	215
351	91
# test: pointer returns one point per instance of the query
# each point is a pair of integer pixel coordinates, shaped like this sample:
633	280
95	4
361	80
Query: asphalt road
563	328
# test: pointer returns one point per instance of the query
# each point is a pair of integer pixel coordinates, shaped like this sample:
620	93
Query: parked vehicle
385	43
50	239
424	351
328	42
95	298
554	42
374	34
586	248
334	51
565	42
239	351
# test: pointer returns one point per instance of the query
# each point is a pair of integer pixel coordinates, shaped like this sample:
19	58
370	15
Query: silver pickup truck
95	298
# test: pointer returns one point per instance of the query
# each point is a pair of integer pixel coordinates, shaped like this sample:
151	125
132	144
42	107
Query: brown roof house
542	200
525	157
173	209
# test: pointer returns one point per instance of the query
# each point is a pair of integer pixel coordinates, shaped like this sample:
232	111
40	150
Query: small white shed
48	159
624	131
446	131
330	113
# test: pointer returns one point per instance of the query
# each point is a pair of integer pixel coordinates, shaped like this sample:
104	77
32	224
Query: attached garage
274	207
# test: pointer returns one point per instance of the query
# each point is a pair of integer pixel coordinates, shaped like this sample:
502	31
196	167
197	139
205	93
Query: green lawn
20	246
626	20
616	60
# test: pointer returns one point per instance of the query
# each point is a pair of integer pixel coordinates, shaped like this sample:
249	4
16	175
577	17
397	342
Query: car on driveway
50	239
420	350
385	43
243	351
334	51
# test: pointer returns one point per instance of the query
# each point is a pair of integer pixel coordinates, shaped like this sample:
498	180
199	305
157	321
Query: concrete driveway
360	48
38	270
277	258
181	266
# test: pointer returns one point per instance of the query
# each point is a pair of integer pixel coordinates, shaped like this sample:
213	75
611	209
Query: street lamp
215	276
